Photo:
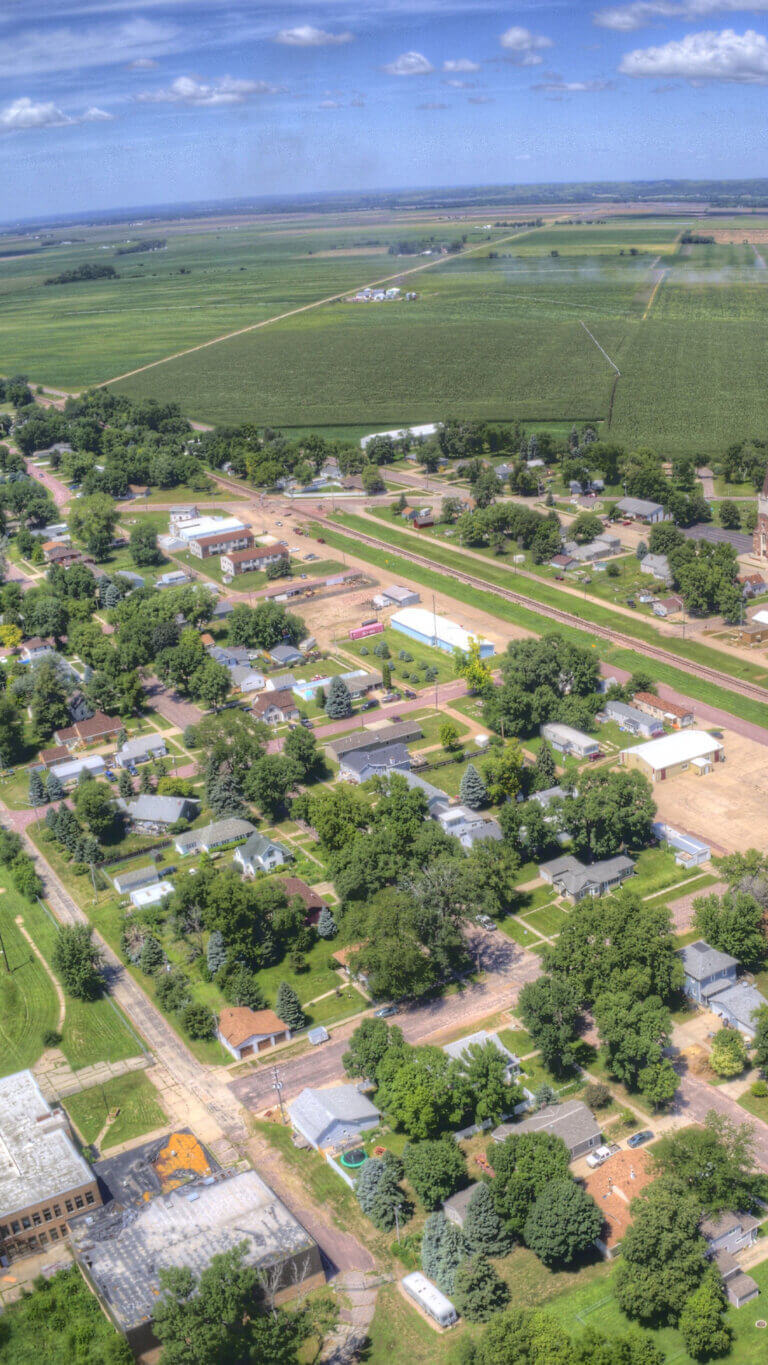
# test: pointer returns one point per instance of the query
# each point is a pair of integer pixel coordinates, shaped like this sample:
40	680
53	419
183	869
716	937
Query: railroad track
566	618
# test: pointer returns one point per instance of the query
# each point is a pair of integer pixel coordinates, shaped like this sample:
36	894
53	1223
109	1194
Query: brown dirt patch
728	806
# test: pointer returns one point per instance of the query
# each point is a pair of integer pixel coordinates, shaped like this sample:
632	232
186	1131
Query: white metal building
438	631
150	895
663	758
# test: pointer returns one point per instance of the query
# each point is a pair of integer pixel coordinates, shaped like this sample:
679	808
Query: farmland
497	334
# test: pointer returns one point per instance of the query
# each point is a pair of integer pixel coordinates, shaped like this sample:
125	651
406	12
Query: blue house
707	971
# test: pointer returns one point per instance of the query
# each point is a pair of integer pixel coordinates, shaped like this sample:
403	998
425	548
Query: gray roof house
571	1121
550	794
286	654
259	854
375	738
575	880
737	1005
156	813
213	836
246	679
632	720
460	1050
658	565
567	740
726	1235
140	750
332	1117
468	826
124	882
707	970
280	682
435	798
364	763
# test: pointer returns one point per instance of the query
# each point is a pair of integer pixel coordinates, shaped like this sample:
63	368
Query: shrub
51	1038
597	1095
198	1021
363	651
759	1089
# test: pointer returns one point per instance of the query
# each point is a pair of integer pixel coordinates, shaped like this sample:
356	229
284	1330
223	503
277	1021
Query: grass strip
688	684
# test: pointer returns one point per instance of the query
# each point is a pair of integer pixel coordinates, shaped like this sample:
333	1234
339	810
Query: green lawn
334	1007
135	1097
94	1031
549	920
517	931
518	1040
396	641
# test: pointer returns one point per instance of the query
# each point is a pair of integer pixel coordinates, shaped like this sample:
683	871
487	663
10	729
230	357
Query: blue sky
109	103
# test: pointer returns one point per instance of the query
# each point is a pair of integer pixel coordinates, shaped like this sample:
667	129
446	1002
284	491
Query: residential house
550	794
287	655
574	880
44	1180
224	608
334	1117
51	548
245	1032
140	750
663	758
98	729
246	679
242	559
35	648
375	738
231	656
435	797
632	719
468	826
671	713
726	1235
312	900
564	562
259	854
213	836
460	1051
566	740
572	1121
58	754
362	764
707	970
156	814
641	509
175	578
737	1006
220	543
275	708
752	584
280	682
658	567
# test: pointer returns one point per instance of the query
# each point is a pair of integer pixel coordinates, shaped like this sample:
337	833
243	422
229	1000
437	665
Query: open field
133	1095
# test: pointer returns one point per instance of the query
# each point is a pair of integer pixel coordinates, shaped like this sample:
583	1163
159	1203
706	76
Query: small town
384	683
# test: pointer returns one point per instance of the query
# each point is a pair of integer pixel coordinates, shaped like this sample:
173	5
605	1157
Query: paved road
58	490
174	708
696	1098
508	968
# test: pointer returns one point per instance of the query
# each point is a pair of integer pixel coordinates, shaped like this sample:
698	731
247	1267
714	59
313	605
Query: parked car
306	722
637	1139
320	540
385	1012
367	705
409	692
486	922
599	1155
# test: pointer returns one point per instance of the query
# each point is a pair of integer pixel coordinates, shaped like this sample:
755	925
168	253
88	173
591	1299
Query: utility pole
5	955
277	1085
397	1220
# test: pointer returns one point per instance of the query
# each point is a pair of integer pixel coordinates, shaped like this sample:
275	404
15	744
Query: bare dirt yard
728	808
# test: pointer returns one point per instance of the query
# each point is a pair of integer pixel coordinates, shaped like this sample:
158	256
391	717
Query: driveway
507	969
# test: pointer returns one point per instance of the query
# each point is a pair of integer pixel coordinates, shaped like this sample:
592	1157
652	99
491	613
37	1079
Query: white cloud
461	85
307	36
143	64
556	85
479	99
461	64
329	104
188	90
34	51
523	46
24	113
409	64
640	13
699	57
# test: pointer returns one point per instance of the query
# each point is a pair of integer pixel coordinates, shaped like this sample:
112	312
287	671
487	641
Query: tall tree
472	789
339	701
563	1222
77	962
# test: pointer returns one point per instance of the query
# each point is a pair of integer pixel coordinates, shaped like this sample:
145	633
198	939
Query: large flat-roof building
438	631
121	1250
685	750
44	1180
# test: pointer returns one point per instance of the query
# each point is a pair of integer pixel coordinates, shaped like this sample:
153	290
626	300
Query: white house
259	854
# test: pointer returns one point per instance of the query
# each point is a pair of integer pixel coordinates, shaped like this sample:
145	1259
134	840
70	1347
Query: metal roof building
329	1118
438	631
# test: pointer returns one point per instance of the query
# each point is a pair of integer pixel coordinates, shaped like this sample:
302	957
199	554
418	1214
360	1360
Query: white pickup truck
600	1154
